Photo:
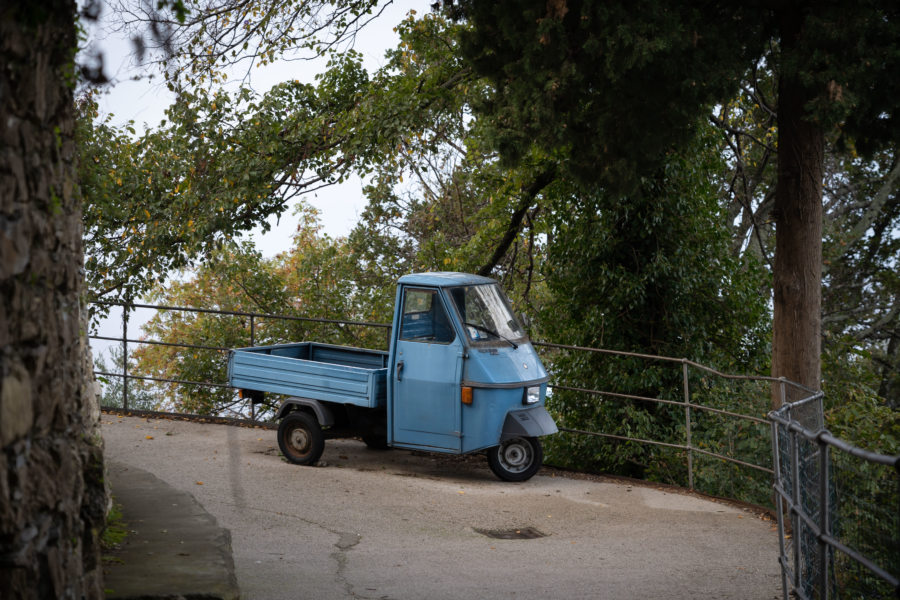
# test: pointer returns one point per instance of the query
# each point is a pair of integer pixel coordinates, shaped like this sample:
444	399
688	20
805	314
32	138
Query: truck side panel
316	371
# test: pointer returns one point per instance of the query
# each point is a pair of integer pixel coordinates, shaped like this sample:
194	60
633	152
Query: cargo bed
322	372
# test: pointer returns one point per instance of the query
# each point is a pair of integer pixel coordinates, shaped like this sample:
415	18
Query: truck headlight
532	395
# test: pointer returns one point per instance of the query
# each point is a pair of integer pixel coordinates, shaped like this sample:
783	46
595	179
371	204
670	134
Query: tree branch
529	193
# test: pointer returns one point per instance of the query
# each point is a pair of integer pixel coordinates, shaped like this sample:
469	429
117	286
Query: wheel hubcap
516	456
299	440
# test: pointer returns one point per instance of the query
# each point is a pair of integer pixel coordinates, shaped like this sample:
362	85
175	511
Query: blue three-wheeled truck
460	377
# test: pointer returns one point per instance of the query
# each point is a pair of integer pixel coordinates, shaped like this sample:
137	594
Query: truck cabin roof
444	279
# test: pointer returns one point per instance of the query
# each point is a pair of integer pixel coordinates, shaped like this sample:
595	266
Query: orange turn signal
466	395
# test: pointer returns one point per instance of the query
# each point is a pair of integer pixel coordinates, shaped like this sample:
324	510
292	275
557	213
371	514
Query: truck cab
460	376
464	375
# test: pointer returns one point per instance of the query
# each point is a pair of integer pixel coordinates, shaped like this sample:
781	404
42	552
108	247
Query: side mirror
525	320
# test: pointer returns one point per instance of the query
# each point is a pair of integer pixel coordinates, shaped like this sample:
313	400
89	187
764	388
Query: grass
114	533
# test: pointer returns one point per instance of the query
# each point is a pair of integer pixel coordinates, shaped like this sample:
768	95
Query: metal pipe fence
244	408
780	445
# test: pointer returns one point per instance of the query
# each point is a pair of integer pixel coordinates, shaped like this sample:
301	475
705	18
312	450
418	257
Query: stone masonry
52	500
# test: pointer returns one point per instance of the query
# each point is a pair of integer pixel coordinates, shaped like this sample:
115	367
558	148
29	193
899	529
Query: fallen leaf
199	483
148	437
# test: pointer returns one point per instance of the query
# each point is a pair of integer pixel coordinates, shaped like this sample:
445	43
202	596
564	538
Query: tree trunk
889	389
52	502
797	286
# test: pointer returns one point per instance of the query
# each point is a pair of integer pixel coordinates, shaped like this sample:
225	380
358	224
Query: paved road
404	525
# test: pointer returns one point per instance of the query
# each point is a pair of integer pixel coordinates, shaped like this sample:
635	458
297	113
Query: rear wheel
517	459
300	438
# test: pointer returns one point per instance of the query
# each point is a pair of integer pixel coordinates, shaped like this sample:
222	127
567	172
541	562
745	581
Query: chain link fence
838	510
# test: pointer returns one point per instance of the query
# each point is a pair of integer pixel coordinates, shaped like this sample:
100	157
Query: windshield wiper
493	333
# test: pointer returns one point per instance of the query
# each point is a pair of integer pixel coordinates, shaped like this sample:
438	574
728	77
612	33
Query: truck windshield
486	315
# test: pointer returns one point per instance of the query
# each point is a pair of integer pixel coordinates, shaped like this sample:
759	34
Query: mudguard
528	422
322	412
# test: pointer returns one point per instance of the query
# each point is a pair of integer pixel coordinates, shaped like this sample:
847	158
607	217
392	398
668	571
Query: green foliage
624	276
218	167
866	519
315	278
726	435
619	84
861	288
853	410
614	84
438	199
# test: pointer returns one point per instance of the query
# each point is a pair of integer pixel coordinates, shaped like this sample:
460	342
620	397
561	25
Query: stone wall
51	467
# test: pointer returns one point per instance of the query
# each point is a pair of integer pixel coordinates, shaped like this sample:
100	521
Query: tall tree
861	212
51	470
617	85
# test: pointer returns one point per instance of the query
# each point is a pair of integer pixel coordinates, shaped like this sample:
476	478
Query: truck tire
517	459
300	438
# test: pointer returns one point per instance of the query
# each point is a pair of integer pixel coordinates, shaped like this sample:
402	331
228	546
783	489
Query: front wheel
517	459
300	438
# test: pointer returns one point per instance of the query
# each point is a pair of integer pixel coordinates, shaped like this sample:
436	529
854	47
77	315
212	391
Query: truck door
426	408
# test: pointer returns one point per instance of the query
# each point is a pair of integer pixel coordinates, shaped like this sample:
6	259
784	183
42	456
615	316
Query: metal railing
834	542
690	407
244	408
784	435
253	318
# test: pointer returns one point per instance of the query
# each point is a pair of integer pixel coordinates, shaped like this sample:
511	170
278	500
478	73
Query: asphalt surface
407	525
174	547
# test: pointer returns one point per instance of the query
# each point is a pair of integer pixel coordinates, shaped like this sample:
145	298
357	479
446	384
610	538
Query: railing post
897	469
687	423
125	355
252	343
796	522
779	508
824	454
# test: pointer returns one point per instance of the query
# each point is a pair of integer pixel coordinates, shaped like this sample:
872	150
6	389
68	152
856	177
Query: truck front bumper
528	422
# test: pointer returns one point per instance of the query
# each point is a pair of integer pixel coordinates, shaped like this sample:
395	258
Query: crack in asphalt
346	542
